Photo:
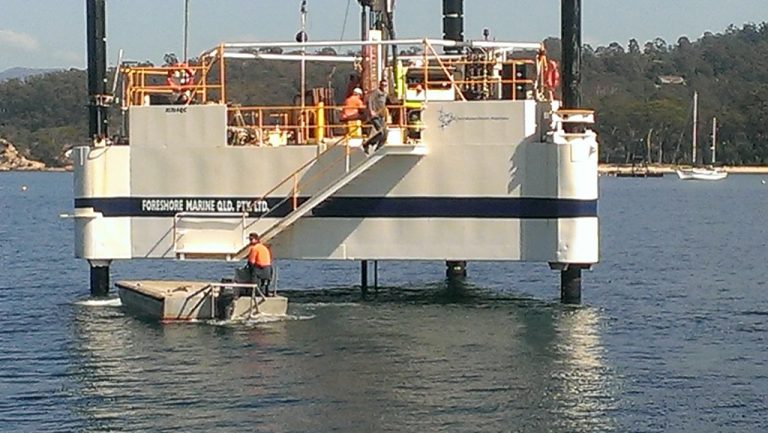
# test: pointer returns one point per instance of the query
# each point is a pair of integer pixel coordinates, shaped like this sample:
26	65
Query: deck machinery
482	162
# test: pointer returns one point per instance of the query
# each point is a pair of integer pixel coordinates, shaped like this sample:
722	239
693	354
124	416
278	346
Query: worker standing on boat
377	107
259	263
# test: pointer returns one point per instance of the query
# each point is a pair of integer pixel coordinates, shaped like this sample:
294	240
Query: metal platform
197	300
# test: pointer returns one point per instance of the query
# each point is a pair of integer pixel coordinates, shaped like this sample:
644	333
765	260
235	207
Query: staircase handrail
242	252
302	167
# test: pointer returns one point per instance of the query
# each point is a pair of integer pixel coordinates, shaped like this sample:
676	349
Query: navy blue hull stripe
351	207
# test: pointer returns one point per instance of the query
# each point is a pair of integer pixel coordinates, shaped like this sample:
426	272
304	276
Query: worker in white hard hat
354	107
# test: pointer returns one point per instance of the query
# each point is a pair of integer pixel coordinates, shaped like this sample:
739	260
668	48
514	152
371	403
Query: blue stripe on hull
454	207
357	207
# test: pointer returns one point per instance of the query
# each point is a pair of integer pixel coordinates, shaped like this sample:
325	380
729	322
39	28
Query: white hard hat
358	90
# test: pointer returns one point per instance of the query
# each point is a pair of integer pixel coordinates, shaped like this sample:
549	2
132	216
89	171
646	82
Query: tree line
642	95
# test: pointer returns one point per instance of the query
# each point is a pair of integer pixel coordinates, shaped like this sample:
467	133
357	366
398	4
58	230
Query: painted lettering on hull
207	205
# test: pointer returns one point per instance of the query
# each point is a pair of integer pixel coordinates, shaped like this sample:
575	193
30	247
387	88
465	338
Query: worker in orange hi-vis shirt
260	263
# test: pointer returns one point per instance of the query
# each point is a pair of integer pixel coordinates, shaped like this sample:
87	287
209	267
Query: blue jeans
380	132
262	276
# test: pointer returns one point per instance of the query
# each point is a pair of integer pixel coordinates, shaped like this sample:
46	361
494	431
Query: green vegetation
642	96
639	115
44	114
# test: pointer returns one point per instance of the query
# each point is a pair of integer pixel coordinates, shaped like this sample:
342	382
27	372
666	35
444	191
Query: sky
51	33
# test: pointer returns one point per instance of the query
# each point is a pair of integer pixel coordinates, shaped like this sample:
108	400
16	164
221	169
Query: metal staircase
209	253
323	194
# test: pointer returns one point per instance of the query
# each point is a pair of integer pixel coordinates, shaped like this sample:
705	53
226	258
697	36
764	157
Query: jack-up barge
481	162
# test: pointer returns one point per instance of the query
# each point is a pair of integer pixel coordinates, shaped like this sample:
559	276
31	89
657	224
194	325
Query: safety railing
510	79
256	295
293	177
205	82
177	84
293	180
290	125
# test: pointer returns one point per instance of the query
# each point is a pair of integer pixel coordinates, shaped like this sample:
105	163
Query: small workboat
198	300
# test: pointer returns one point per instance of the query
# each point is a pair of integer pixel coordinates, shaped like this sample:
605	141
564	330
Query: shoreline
604	169
36	170
612	169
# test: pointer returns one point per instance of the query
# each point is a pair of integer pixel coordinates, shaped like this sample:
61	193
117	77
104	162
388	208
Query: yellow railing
293	177
283	125
140	84
438	74
295	182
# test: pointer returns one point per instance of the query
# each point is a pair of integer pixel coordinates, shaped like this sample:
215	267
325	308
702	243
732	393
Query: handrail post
243	222
346	156
261	126
222	76
174	232
204	80
425	62
295	191
320	123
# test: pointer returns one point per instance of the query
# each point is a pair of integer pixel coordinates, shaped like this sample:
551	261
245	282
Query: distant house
670	79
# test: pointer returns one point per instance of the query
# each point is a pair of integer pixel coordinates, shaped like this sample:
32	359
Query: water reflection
437	357
588	387
143	376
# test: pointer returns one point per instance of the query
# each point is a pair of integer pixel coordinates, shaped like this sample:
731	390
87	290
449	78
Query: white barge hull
494	181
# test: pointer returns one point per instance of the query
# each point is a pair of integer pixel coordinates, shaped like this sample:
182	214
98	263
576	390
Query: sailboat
701	173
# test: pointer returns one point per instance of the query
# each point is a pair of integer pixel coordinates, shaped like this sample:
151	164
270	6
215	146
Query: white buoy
762	181
24	188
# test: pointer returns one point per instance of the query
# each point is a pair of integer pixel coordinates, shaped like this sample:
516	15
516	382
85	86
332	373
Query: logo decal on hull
447	118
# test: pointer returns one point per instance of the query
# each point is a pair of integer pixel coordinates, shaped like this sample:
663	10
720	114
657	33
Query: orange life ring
180	77
552	75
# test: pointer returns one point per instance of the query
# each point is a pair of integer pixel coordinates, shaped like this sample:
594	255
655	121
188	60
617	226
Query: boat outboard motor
225	302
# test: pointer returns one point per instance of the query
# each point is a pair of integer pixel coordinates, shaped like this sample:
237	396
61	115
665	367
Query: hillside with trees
43	114
642	95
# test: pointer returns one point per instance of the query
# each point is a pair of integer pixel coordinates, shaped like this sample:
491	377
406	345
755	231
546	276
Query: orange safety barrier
198	83
442	75
283	125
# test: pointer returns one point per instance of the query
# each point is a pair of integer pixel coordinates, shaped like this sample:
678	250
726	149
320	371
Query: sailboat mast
695	126
302	37
714	138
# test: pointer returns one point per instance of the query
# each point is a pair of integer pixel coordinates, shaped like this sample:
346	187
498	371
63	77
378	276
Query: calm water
671	336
